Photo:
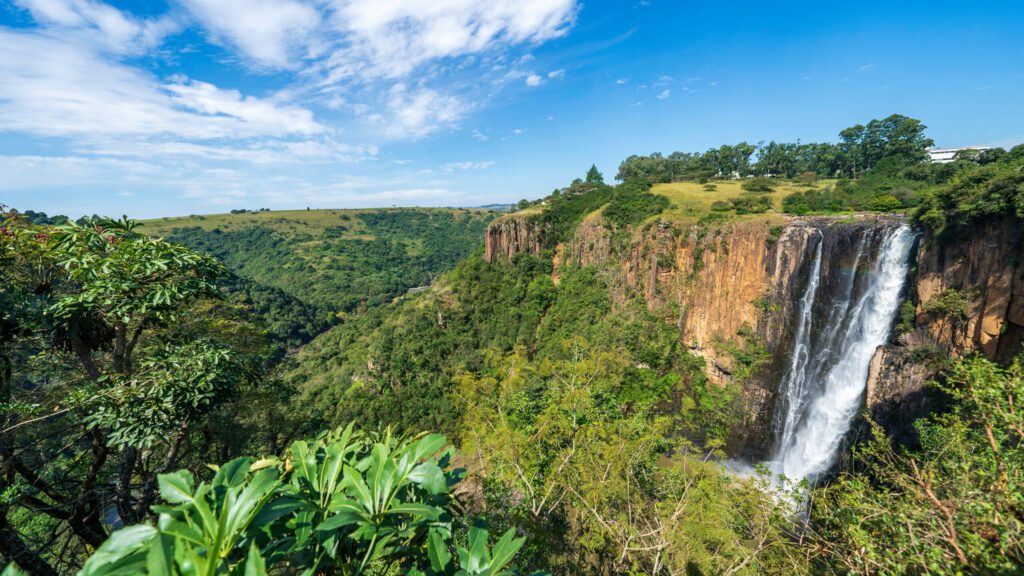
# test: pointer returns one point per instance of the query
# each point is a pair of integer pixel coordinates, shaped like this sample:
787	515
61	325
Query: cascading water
822	387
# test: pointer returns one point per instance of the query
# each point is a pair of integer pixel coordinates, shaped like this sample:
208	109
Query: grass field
691	201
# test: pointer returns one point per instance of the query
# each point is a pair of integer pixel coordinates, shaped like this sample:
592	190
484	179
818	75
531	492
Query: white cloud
396	68
101	23
453	166
274	33
259	152
346	53
27	171
259	116
126	194
419	112
54	89
866	68
664	94
391	39
621	81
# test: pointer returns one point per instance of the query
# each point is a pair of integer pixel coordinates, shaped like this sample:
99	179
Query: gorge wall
967	296
731	290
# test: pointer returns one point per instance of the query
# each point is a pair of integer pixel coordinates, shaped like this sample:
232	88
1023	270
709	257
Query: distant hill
498	207
328	261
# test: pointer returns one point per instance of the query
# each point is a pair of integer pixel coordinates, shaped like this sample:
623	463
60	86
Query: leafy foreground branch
346	503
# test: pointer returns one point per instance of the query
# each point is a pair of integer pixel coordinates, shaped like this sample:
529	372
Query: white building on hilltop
943	155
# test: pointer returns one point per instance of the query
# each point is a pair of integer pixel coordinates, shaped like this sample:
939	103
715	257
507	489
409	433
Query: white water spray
823	386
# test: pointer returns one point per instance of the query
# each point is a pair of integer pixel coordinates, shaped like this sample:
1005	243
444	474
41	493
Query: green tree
572	452
593	176
100	379
954	505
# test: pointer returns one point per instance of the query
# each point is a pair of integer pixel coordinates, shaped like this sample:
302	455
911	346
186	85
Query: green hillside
330	261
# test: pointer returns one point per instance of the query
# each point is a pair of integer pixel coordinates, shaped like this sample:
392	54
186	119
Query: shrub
720	206
347	503
758	185
751	204
950	302
884	203
827	200
631	203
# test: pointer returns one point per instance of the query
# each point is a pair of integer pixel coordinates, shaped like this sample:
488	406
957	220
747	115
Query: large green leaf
123	553
430	477
437	552
176	487
254	564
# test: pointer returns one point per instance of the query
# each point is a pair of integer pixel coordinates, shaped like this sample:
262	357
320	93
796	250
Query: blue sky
167	107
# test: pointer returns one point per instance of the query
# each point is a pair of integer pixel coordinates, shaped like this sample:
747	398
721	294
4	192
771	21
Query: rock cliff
967	297
729	288
510	235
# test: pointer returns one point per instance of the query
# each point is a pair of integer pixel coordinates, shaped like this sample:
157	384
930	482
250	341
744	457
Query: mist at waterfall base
846	311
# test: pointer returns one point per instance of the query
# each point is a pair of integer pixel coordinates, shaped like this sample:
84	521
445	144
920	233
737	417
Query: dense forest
300	272
522	415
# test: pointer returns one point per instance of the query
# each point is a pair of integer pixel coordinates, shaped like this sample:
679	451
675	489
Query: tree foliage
572	451
860	148
102	375
344	503
953	506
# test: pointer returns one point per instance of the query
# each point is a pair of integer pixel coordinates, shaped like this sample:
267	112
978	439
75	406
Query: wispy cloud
462	166
664	94
357	56
101	24
55	89
866	68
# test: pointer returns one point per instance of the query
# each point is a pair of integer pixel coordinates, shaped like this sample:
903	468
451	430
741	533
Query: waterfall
837	332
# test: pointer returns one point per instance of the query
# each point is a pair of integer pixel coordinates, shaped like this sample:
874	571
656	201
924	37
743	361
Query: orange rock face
985	267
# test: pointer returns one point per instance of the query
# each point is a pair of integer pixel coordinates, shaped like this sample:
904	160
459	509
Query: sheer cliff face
734	287
728	288
984	268
968	297
508	236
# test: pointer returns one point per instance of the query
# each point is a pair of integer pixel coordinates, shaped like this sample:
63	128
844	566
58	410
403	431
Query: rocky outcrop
510	235
733	287
896	393
983	268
